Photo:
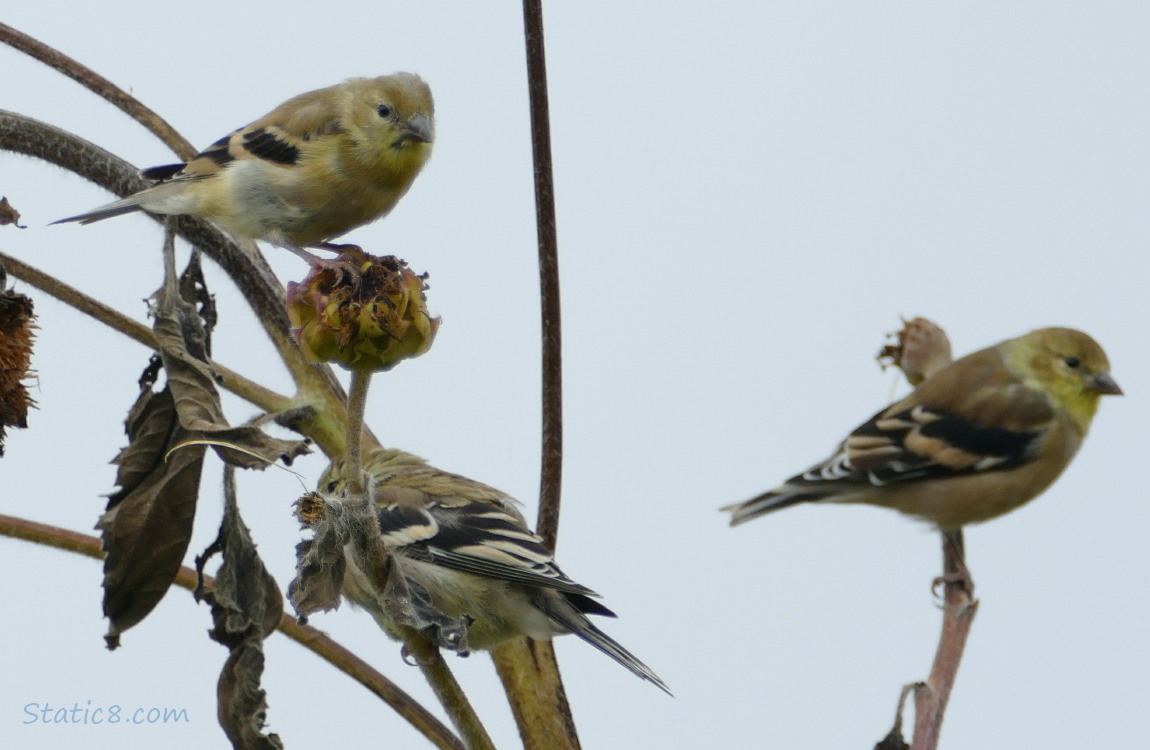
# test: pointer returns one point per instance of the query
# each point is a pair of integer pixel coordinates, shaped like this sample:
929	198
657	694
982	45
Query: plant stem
959	608
551	475
99	85
308	637
435	669
527	668
249	390
248	270
356	404
449	693
924	348
530	675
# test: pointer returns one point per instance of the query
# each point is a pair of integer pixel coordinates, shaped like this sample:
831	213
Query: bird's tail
777	499
575	622
116	208
166	198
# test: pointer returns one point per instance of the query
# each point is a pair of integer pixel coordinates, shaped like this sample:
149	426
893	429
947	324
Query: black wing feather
269	146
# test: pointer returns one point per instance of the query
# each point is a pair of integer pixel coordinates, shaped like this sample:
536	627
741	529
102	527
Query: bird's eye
331	486
384	110
1073	362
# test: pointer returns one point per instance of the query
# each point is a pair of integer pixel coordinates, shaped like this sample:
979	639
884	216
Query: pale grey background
749	197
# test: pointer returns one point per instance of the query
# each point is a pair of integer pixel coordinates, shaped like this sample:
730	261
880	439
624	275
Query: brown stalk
449	693
959	608
527	668
530	673
306	636
99	85
248	271
922	349
552	470
251	391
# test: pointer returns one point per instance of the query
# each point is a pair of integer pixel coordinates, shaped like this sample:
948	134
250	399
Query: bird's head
391	117
1071	367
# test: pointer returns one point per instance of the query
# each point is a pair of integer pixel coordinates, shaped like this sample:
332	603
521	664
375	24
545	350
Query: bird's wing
963	420
921	443
280	137
483	538
967	420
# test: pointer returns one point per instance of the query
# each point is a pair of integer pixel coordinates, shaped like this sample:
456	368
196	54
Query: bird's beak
1104	384
418	129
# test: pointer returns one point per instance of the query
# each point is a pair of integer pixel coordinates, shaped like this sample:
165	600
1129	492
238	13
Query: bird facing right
975	440
314	168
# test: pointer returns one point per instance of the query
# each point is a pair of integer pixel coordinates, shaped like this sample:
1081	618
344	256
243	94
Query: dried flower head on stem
361	311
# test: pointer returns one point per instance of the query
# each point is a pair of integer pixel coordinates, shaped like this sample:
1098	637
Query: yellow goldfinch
467	546
976	439
312	169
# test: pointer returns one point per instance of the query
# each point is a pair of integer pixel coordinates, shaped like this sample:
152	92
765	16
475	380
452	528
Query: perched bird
976	439
317	166
468	549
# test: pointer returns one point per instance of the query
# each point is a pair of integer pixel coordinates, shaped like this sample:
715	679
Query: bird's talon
960	578
338	247
411	660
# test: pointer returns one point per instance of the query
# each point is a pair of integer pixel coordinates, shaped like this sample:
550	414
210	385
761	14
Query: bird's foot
412	660
346	266
960	578
338	247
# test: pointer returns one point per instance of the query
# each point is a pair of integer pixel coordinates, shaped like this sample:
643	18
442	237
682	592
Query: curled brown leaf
184	345
9	214
246	608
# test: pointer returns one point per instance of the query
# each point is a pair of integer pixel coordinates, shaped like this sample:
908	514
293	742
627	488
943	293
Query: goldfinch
314	168
469	548
976	439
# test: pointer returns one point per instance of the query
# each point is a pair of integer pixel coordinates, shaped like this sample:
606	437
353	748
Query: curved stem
449	693
249	390
308	637
99	85
247	270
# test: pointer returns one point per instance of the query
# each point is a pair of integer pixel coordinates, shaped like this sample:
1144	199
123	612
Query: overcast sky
749	196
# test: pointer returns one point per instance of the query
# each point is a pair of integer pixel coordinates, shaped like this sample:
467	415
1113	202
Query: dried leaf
242	704
16	324
194	289
245	598
246	608
9	215
148	522
320	561
183	345
892	741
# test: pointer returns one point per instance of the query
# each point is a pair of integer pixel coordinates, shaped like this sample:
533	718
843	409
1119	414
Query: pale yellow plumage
470	548
309	171
975	440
